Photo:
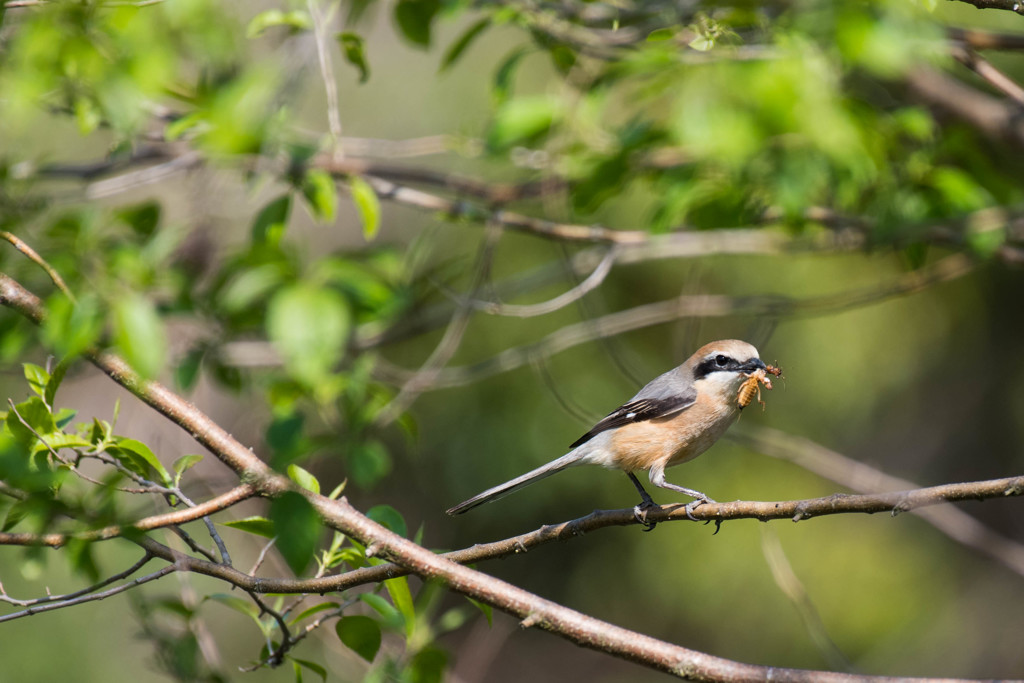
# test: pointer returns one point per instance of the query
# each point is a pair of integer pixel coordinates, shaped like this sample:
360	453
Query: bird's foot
640	511
690	507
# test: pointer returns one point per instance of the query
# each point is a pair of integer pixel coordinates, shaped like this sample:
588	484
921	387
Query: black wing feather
637	411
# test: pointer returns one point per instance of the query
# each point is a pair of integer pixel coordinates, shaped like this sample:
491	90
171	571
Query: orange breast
672	440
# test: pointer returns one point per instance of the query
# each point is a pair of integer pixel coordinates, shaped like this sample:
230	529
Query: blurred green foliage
295	298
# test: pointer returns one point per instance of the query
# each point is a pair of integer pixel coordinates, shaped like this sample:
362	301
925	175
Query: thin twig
28	251
91	597
993	76
327	75
85	591
705	305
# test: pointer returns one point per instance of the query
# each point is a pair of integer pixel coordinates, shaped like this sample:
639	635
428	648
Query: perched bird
675	418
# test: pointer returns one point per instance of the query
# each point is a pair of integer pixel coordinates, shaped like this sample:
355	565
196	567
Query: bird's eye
721	360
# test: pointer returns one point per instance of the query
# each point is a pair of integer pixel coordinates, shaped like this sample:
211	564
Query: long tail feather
502	490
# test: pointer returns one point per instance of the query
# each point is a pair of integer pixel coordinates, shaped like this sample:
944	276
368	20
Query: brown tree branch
993	76
1010	5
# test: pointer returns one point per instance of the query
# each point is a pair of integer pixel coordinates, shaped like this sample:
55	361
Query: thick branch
1009	5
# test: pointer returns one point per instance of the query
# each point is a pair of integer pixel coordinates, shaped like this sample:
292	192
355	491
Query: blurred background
896	318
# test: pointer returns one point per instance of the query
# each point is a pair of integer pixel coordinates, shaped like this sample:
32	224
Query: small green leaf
389	517
298	529
427	666
504	76
398	589
303	478
36	415
368	204
524	120
144	460
183	464
392	618
309	327
369	462
186	374
178	127
360	634
414	18
337	490
37	377
139	334
260	526
270	224
353	47
296	20
321	194
315	609
54	382
487	610
312	666
465	40
142	218
240	605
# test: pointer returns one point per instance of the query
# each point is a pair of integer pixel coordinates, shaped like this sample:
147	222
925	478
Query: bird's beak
754	365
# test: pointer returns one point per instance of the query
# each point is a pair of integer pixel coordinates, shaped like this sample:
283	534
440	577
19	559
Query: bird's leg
658	479
640	510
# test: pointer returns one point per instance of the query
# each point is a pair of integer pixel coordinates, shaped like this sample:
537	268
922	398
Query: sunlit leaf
295	20
368	204
309	327
321	194
260	526
303	478
139	333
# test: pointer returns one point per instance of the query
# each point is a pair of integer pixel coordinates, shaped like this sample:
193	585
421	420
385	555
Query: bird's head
720	367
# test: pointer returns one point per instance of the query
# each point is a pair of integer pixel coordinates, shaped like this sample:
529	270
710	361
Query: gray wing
664	396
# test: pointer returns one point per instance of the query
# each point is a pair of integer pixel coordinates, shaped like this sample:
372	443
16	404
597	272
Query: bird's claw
640	511
690	507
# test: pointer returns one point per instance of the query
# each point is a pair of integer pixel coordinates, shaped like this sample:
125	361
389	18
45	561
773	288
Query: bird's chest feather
672	440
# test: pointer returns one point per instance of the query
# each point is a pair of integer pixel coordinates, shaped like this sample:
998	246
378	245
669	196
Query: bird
673	419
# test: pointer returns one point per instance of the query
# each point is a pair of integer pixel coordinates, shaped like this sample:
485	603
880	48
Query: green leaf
240	605
309	327
37	377
142	218
487	610
260	526
315	609
183	464
505	74
368	205
398	589
524	120
428	666
36	415
321	194
360	634
298	529
52	384
369	462
249	287
303	478
296	20
465	40
139	334
270	224
186	374
389	517
71	328
144	460
312	666
178	127
353	47
392	618
414	18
